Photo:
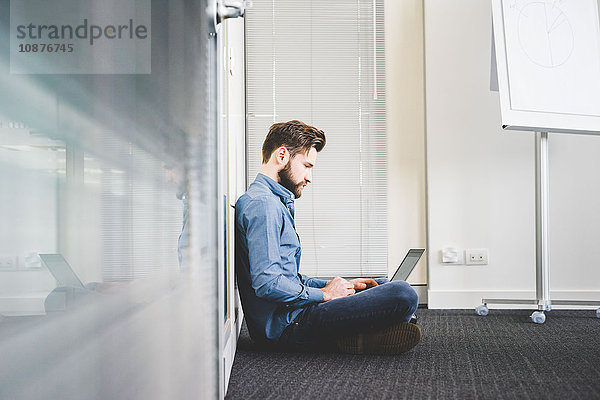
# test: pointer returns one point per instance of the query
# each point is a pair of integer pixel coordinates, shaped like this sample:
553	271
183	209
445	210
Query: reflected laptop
61	270
408	264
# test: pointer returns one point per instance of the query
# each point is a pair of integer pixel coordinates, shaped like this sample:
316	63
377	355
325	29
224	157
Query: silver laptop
408	264
61	270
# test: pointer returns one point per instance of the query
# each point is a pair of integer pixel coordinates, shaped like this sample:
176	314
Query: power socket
8	263
476	256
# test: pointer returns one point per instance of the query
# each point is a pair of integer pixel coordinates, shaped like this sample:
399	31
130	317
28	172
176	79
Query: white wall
406	132
574	215
481	179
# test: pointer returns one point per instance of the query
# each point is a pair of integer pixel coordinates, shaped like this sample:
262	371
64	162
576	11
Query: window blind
141	217
323	62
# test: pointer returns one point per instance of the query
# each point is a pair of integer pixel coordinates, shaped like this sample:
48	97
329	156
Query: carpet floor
462	356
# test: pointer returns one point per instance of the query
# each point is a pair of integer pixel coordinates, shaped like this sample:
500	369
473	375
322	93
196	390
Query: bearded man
286	309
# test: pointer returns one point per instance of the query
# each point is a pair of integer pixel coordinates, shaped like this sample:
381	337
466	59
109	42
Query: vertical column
542	218
70	207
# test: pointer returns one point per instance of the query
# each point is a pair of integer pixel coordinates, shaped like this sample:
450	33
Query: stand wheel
483	310
538	317
598	313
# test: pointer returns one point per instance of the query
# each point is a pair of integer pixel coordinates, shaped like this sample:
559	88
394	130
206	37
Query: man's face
297	173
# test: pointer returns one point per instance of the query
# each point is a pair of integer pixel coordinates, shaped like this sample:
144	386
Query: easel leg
542	217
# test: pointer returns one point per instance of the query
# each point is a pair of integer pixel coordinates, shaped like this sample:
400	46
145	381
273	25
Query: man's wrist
314	295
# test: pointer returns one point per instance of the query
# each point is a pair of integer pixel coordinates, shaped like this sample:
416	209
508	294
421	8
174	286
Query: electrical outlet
476	256
8	263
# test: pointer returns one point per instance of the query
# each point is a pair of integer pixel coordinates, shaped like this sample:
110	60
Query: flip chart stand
542	192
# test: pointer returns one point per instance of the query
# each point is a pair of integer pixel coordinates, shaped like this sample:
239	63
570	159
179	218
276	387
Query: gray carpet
461	356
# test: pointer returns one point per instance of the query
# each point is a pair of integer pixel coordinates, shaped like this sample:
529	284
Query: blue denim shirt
267	261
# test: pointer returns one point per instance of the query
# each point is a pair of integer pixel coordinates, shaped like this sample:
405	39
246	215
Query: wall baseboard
455	299
22	305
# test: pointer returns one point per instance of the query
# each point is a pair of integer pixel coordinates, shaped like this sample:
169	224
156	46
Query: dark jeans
319	325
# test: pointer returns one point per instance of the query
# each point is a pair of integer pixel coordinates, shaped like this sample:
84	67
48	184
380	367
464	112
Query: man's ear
282	155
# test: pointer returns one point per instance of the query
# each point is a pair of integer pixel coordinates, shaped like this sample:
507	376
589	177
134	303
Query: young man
290	310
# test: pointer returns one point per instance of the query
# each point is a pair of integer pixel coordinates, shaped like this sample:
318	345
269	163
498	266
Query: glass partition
105	292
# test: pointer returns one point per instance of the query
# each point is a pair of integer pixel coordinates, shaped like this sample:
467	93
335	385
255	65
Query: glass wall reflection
98	295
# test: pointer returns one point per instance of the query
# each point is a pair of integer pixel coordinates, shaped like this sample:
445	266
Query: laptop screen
408	264
61	270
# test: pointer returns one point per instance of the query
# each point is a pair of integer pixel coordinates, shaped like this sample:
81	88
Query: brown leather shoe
396	339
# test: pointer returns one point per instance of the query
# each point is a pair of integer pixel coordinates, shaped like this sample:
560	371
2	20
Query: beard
285	179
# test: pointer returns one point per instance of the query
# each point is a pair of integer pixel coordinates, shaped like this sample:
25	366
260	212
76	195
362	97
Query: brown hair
296	136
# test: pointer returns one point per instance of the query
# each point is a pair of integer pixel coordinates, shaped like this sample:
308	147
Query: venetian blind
141	217
323	62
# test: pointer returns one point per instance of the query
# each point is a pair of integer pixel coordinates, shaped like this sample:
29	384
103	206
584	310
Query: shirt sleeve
312	282
269	281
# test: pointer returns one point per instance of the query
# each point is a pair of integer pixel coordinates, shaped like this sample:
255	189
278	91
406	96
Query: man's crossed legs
373	321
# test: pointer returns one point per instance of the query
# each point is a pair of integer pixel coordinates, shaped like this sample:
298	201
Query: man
289	310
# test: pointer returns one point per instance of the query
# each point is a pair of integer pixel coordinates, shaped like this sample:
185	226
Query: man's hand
336	288
363	283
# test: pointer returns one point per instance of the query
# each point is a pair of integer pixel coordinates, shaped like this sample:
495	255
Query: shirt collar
275	187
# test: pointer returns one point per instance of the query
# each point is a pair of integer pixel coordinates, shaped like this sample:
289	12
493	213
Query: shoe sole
396	339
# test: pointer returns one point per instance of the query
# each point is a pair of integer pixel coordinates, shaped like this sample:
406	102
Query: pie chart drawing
545	34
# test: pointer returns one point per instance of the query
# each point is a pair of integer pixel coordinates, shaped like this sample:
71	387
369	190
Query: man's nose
308	177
